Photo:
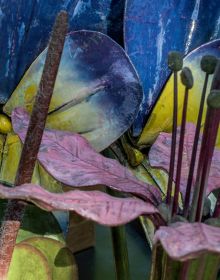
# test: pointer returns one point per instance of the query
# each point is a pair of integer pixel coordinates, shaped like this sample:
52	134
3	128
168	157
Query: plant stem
173	144
216	213
120	250
180	153
194	150
204	163
15	209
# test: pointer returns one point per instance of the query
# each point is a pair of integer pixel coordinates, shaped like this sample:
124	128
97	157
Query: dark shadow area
98	263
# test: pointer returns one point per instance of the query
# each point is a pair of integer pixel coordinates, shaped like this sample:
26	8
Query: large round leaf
28	263
25	28
153	28
97	91
161	116
59	257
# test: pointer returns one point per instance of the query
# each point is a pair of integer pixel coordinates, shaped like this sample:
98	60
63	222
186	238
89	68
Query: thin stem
204	163
207	149
15	209
194	149
184	273
120	250
180	153
173	144
216	213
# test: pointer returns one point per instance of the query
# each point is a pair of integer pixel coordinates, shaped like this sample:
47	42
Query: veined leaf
70	159
159	157
94	205
185	241
97	91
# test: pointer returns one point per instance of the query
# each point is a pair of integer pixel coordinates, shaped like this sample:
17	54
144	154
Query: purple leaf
159	157
70	159
183	241
94	205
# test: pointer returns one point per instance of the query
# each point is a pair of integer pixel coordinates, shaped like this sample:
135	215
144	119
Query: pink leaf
94	205
70	159
159	157
183	241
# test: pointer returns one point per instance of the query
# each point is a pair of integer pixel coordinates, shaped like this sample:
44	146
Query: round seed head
208	64
175	61
213	99
187	78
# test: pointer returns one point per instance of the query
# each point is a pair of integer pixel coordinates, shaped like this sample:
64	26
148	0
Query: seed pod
187	78
175	61
213	99
5	124
208	64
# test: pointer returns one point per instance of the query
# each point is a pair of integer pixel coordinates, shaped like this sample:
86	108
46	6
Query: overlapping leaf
159	157
70	159
184	241
94	205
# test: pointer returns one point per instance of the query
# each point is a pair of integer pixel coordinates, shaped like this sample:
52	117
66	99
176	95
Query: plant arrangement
185	224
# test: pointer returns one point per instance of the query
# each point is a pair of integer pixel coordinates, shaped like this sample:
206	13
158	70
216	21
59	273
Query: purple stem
180	153
194	150
205	159
173	144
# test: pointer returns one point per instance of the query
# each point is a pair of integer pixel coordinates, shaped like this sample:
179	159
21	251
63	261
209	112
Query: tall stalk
175	64
208	64
15	209
187	80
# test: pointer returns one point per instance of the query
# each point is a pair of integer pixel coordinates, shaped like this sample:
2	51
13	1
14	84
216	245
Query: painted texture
71	160
25	28
95	205
97	92
184	241
160	118
159	156
153	28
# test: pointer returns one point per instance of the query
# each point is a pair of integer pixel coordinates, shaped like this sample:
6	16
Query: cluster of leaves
71	160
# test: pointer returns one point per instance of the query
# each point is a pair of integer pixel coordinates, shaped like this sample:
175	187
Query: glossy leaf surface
70	159
184	241
159	157
25	28
97	91
94	205
160	118
153	28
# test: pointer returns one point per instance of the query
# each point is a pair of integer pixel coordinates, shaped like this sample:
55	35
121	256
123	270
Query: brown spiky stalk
15	209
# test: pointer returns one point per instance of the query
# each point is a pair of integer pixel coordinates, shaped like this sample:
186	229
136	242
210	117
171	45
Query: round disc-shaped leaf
97	91
161	116
28	263
25	28
60	258
154	28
